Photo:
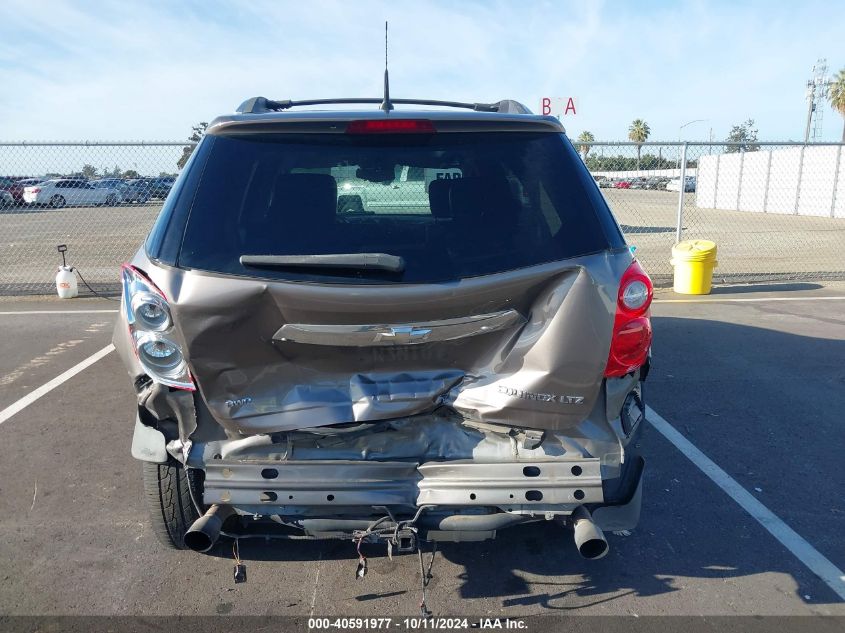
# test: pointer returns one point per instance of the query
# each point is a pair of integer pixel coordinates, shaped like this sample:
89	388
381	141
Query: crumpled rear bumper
526	488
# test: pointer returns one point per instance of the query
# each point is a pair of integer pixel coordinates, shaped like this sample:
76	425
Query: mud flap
620	517
148	444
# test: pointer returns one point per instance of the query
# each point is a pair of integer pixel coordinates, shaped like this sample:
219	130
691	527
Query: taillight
157	345
632	325
391	126
34	189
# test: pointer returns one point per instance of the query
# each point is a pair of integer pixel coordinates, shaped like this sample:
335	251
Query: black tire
111	200
169	501
57	202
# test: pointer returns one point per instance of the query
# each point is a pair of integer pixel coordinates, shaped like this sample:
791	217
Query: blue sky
130	70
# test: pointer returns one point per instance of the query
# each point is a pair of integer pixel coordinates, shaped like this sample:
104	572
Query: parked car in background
408	190
135	190
603	182
6	184
656	182
114	185
15	186
675	184
27	182
638	183
160	187
62	192
622	183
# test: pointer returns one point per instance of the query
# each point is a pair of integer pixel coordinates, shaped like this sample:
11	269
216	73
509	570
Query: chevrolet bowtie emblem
404	335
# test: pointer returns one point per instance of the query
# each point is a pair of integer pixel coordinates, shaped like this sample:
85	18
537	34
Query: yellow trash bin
694	261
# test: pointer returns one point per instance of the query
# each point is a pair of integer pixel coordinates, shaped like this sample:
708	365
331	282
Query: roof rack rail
258	105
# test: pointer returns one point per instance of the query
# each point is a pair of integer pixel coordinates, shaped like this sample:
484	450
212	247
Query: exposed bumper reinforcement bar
357	483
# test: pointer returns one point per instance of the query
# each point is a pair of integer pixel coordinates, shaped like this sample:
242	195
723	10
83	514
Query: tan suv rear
399	373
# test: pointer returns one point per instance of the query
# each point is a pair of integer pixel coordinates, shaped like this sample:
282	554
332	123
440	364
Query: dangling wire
425	578
240	568
361	570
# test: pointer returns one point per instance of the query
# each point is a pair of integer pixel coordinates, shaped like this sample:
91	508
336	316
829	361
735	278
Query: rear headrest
438	198
307	198
483	199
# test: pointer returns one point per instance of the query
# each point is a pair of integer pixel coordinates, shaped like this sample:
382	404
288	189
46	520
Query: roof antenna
386	105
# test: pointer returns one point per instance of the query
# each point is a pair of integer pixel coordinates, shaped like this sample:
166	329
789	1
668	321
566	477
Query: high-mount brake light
391	126
156	343
631	326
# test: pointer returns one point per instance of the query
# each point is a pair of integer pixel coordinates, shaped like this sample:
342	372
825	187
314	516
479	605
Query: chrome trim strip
404	334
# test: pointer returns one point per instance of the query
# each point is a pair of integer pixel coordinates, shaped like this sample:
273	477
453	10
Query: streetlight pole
680	129
682	187
811	106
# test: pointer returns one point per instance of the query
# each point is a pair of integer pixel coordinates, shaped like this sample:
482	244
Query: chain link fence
775	210
111	194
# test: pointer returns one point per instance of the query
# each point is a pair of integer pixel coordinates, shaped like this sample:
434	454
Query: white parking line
47	387
56	312
812	559
748	299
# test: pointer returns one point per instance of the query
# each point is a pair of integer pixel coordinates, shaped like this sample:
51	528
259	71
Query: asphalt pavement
752	377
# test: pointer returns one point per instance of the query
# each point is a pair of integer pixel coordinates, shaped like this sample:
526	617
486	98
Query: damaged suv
395	373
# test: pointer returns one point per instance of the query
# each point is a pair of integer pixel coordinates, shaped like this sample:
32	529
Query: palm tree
638	132
585	137
836	94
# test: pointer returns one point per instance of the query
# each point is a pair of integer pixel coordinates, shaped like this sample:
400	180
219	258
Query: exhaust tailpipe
205	531
589	539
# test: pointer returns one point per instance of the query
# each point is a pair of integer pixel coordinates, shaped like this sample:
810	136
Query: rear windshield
451	205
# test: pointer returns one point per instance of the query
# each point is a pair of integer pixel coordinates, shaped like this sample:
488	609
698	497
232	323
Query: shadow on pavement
765	287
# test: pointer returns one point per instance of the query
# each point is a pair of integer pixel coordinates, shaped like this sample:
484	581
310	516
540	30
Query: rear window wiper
352	261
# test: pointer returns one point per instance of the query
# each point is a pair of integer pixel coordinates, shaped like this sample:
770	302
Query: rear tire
57	202
168	500
111	200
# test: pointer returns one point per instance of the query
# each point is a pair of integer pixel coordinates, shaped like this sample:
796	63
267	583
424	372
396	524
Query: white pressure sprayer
66	284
